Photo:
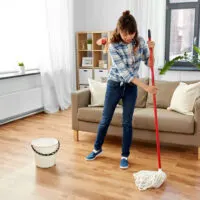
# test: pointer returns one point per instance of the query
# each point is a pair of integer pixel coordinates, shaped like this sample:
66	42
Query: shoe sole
94	157
123	167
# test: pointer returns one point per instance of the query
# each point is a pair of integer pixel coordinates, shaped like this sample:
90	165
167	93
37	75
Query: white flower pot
89	47
22	70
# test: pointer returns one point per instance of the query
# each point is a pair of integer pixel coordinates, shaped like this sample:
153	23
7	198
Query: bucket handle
47	154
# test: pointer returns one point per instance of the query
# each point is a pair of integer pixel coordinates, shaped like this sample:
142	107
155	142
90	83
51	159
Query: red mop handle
154	103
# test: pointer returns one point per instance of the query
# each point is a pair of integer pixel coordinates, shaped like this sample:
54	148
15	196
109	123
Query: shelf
92	32
97	53
97	36
85	50
92	50
79	67
85	67
100	68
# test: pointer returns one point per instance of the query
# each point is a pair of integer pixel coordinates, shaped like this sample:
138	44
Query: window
22	32
182	29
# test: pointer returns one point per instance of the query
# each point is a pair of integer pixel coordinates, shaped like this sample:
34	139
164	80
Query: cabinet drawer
100	75
83	86
84	74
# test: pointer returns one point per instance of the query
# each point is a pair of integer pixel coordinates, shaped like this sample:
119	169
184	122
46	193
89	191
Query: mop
151	179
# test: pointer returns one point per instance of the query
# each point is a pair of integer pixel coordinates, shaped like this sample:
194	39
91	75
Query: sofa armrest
197	116
80	98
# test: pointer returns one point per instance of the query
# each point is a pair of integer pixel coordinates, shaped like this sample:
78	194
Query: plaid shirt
125	63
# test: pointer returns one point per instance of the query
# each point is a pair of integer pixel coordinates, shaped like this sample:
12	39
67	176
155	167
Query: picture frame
87	62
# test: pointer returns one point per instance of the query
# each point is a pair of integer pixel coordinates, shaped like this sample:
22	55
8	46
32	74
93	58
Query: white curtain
58	66
22	26
40	33
150	14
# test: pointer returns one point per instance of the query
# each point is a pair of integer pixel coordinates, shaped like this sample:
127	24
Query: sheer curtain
58	66
20	35
151	15
40	33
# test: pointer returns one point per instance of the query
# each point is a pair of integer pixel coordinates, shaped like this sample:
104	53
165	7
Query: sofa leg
198	153
76	135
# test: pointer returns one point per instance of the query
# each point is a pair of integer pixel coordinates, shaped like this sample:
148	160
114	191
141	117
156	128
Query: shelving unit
93	56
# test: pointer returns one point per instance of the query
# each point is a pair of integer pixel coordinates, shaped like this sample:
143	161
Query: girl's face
127	38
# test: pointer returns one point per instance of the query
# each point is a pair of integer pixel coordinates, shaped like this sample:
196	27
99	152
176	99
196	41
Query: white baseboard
20	116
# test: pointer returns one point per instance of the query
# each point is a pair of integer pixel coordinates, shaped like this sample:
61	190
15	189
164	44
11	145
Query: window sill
18	74
181	68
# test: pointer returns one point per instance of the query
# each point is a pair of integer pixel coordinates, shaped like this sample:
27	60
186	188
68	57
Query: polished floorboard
73	178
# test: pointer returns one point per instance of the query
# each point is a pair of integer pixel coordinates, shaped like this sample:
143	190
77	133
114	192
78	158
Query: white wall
79	15
97	15
103	14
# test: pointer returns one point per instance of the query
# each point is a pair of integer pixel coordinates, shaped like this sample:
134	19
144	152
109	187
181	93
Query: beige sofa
174	128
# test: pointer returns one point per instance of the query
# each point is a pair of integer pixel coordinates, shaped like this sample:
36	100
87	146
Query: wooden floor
77	179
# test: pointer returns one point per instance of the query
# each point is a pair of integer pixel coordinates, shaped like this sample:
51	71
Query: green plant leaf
21	64
197	65
89	41
169	64
194	60
197	49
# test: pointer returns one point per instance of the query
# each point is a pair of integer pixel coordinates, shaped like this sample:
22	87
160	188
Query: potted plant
89	44
21	67
193	59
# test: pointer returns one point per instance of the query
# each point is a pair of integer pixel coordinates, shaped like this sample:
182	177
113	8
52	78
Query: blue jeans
114	92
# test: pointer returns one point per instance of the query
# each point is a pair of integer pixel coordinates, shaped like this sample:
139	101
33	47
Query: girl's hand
152	89
105	42
101	41
148	88
151	44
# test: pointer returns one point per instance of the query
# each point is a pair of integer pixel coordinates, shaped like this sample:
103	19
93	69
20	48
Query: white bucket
45	151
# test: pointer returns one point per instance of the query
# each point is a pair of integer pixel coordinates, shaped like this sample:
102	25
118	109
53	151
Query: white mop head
149	179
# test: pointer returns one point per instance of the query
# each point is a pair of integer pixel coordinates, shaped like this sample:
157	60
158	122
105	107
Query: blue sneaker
124	163
94	154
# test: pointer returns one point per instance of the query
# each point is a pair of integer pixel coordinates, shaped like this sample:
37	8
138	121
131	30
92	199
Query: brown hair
126	23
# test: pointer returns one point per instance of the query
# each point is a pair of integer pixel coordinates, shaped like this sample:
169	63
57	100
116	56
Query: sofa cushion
184	97
98	91
164	94
94	114
169	121
142	95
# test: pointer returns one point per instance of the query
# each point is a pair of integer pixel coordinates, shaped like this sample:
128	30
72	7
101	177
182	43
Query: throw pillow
184	97
98	91
164	94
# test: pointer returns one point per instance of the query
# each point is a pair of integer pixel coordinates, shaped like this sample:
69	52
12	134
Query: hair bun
126	13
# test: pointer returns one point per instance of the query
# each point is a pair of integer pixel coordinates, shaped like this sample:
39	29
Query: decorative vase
22	70
89	47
